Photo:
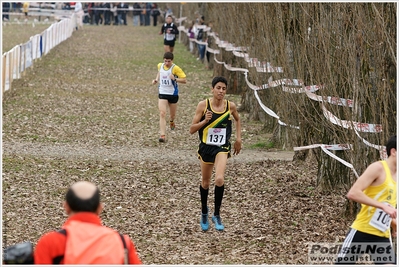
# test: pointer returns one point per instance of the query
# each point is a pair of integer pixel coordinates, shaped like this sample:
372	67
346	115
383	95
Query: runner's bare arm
369	177
197	123
181	80
156	79
236	116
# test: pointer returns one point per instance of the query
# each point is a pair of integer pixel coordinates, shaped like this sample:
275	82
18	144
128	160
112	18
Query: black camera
21	253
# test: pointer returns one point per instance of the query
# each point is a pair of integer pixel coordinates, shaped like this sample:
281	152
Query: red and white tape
288	85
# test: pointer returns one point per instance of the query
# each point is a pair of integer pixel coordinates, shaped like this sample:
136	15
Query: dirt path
127	153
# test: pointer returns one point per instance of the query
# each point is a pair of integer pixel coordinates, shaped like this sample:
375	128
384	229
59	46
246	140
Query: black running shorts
208	153
169	43
171	98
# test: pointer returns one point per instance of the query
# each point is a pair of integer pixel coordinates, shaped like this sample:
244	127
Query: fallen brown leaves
87	111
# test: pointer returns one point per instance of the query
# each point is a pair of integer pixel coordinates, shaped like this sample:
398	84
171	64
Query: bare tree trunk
348	49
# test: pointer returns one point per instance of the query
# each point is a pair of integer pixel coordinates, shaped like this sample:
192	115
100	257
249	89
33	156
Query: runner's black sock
219	190
204	199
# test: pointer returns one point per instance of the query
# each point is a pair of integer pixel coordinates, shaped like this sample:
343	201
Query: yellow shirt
25	7
177	71
372	220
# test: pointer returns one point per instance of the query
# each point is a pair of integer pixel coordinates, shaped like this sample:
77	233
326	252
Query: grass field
15	34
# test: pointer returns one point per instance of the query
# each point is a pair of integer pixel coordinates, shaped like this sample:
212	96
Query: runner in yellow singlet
376	191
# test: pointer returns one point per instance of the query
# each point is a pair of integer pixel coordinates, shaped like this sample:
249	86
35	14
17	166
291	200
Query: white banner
35	40
326	149
22	58
358	126
16	74
28	54
213	51
271	112
239	54
230	68
330	99
7	72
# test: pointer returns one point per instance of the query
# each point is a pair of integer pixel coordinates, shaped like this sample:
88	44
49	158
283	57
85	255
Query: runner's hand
390	211
237	147
208	115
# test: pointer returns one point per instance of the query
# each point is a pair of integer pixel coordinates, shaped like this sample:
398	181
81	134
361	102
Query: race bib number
380	220
216	136
166	81
170	37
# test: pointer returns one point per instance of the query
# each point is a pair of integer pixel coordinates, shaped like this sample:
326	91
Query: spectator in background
114	11
136	14
6	9
142	14
148	7
155	13
200	37
15	7
91	13
79	15
107	13
86	16
102	245
123	11
66	6
25	9
191	31
98	13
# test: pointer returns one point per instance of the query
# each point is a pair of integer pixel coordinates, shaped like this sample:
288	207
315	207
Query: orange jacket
51	247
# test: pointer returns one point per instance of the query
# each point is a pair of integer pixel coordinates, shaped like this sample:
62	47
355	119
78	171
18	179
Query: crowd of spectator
196	32
102	13
113	13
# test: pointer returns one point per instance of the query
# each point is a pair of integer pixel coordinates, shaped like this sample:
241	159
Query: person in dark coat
155	13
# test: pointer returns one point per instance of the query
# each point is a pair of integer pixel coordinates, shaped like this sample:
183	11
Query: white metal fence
23	56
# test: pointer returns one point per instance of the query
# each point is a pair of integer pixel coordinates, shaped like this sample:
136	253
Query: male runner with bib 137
212	121
376	191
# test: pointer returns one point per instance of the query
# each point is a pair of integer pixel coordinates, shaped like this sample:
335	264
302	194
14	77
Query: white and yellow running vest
166	85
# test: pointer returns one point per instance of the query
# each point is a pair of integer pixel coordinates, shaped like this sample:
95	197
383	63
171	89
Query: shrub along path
88	111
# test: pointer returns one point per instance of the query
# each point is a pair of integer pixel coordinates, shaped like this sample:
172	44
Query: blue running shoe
218	222
204	222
